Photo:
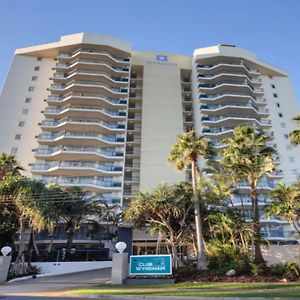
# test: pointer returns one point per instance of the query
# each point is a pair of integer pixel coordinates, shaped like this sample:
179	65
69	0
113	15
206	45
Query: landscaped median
244	290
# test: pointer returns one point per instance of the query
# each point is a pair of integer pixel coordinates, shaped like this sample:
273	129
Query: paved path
53	286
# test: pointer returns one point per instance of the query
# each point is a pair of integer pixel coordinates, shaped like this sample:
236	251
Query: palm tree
249	159
286	204
72	208
185	153
9	166
295	134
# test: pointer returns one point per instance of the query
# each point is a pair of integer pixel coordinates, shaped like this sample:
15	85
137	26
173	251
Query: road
52	287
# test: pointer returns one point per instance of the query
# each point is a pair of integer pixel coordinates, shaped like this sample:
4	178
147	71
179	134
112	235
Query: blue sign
150	265
161	57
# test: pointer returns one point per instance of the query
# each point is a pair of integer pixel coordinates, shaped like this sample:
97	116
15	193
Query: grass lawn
251	290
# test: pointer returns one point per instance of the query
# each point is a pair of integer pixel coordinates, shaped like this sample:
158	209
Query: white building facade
90	111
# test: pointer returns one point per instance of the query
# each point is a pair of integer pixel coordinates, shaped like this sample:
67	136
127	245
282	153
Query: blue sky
270	28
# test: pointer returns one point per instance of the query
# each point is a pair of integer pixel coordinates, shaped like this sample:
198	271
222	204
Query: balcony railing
94	62
85	108
91	51
57	98
88	83
76	165
80	149
83	182
90	72
234	64
61	122
74	134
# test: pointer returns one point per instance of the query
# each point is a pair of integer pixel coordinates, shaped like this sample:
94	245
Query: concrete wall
70	267
275	254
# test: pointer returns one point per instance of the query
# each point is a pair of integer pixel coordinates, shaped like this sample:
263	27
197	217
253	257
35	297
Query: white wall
12	102
70	267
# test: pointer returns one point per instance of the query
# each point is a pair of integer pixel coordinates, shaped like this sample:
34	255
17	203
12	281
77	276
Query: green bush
292	271
223	257
276	270
257	269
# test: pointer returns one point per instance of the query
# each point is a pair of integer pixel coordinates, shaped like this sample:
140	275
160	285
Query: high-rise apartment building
90	111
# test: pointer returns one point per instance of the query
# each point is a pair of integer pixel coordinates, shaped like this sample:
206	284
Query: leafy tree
286	204
167	210
185	153
21	197
249	159
295	134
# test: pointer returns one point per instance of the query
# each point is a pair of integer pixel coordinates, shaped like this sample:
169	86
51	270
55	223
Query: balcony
92	52
74	136
88	98
85	124
236	118
107	78
223	85
85	110
233	106
231	96
91	64
218	131
78	152
81	168
227	65
213	77
96	184
132	179
87	84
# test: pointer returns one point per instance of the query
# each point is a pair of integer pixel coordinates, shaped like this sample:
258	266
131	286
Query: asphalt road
52	287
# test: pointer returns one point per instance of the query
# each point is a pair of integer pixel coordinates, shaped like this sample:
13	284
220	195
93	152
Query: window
24	111
291	159
36	68
17	137
34	78
14	150
280	115
277	104
283	125
285	136
21	124
273	86
31	89
271	77
288	147
295	171
39	58
27	100
275	95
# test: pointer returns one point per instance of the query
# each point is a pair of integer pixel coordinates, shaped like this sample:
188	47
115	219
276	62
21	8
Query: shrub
223	257
277	270
292	271
257	269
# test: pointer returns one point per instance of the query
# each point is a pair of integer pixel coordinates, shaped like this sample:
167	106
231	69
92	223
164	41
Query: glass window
21	124
291	159
31	89
34	78
14	150
280	115
24	111
275	95
27	100
283	125
18	137
36	68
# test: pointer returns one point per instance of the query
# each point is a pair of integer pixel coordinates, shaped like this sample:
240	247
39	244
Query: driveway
53	286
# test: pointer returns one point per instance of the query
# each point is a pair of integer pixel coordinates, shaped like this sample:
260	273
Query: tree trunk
201	259
70	237
258	257
19	266
175	259
51	241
